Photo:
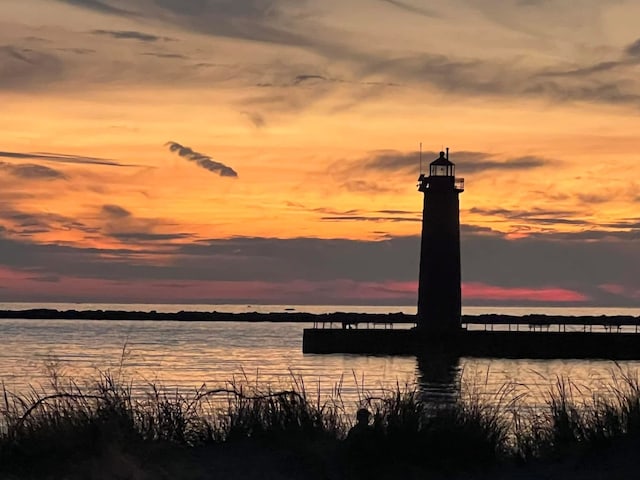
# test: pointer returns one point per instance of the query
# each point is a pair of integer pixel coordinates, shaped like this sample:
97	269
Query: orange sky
319	107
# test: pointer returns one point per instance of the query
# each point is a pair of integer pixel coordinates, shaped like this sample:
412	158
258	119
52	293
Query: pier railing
527	323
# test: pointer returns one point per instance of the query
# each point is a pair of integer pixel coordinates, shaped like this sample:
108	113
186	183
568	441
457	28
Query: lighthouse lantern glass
442	171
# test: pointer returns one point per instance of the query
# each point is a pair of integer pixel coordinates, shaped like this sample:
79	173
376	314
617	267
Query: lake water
185	355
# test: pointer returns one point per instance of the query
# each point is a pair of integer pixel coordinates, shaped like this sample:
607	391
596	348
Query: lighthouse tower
439	295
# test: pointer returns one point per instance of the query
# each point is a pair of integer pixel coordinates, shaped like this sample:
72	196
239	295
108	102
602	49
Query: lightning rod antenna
447	153
420	158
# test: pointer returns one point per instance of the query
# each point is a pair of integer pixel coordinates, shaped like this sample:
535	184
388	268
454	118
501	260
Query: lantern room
442	167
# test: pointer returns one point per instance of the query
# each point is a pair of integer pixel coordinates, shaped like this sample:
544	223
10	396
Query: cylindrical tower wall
439	293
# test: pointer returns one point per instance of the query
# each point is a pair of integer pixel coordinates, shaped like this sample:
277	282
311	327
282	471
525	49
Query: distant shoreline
302	317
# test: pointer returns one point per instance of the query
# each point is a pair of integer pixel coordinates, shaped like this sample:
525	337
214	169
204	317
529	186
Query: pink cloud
481	291
621	290
27	286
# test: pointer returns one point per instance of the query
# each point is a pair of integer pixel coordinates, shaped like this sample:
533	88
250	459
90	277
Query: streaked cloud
412	8
99	6
203	161
466	162
30	171
491	293
131	35
64	158
164	55
535	216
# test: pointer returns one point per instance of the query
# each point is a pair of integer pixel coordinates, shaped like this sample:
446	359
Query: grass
103	429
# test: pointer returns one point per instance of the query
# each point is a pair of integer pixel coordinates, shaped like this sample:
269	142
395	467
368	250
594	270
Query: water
185	355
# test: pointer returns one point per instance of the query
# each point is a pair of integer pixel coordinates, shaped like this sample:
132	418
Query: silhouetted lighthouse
439	295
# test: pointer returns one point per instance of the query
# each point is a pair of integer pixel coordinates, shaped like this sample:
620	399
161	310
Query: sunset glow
319	107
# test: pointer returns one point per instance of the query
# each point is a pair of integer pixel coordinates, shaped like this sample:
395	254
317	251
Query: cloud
46	279
289	23
518	163
363	186
393	216
629	57
115	211
165	55
29	171
258	20
412	8
305	78
633	50
99	6
257	119
78	51
131	35
550	264
497	78
534	216
358	218
150	237
466	162
64	158
16	53
483	293
21	68
630	223
120	224
203	161
27	224
332	215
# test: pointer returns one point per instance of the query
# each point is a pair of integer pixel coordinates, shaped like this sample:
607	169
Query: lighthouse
439	294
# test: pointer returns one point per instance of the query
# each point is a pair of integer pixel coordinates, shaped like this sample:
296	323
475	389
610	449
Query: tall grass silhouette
65	422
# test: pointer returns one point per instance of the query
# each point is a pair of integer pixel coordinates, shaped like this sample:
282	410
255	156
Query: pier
612	344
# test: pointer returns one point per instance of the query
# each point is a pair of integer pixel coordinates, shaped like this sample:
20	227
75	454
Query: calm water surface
186	355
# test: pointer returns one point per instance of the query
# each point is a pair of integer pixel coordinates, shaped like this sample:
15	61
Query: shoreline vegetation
302	317
102	429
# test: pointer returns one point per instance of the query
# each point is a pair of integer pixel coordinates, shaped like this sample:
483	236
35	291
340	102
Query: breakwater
355	320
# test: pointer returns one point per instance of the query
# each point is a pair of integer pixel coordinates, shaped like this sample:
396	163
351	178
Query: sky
266	151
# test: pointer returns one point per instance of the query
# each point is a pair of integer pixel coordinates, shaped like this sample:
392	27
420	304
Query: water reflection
438	377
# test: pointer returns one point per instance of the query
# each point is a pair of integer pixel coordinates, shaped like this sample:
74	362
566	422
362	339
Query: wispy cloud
412	8
131	35
633	50
394	216
257	119
177	56
22	68
364	186
115	211
64	158
466	162
202	160
535	216
277	23
361	218
99	6
30	171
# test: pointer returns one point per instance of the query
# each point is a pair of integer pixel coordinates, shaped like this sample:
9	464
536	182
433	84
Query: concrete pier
465	343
